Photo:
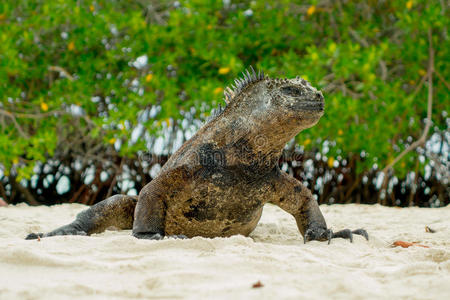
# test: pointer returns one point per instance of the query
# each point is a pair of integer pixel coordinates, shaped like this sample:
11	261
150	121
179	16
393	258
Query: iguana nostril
319	96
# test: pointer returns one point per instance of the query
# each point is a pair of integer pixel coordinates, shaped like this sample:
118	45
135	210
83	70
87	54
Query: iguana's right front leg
150	212
290	195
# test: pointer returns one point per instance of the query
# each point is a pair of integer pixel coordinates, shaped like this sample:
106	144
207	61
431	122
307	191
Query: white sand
114	265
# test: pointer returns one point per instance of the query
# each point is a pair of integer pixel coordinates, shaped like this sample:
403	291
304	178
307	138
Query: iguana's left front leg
290	195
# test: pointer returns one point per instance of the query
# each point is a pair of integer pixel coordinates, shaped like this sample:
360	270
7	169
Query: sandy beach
114	265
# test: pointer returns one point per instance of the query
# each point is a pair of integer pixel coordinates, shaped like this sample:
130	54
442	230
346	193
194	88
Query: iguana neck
249	140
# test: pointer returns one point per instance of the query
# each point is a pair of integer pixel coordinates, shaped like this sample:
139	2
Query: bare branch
419	86
29	198
358	38
3	193
13	119
442	79
384	71
61	70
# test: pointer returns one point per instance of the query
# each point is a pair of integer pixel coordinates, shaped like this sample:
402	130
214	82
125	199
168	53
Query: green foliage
368	56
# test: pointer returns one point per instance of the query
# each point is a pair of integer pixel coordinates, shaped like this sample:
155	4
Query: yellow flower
224	70
330	162
311	10
209	27
340	132
314	56
422	72
91	7
112	140
167	122
122	126
71	46
218	90
332	47
44	106
15	161
366	67
409	4
149	77
307	142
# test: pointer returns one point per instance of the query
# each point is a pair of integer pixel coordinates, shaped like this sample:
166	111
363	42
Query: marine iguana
217	183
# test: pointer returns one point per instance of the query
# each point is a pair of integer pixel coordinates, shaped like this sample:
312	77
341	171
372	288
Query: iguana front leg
150	212
290	195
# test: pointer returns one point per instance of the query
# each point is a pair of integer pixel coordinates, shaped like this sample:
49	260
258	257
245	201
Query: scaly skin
217	183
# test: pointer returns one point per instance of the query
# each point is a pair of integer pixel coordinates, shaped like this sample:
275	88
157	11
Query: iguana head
296	99
262	114
290	104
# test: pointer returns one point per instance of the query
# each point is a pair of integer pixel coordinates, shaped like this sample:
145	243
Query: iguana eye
292	91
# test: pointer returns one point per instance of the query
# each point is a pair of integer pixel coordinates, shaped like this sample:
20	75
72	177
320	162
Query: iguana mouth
312	106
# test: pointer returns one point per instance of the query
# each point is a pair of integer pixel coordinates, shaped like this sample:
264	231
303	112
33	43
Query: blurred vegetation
86	83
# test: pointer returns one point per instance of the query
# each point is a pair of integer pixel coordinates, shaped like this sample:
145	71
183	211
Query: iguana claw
177	236
64	230
148	236
34	236
157	236
348	234
321	234
318	234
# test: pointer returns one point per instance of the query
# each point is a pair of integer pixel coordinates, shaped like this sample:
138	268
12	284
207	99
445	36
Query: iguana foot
34	236
177	236
148	235
157	236
348	234
65	230
318	234
321	234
